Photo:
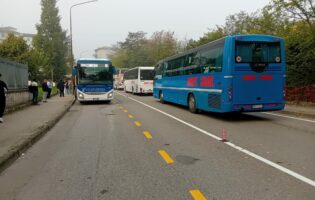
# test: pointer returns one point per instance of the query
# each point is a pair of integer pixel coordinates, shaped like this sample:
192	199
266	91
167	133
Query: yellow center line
130	116
137	123
197	195
125	110
147	134
166	157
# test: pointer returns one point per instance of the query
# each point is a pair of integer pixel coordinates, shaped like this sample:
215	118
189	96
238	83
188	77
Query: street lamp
71	47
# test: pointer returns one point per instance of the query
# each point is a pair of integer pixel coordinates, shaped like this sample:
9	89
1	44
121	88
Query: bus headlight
110	95
81	96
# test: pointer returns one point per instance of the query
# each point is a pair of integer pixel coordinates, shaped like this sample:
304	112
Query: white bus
139	80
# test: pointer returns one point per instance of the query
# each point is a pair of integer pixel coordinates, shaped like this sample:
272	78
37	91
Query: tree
210	36
162	44
13	48
51	40
298	10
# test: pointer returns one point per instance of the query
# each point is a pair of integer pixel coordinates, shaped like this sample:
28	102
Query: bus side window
211	60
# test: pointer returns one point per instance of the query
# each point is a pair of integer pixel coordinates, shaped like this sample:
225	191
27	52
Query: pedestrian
67	87
34	91
3	89
61	88
45	90
50	85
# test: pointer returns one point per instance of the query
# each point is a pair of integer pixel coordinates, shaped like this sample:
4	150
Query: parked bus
232	74
94	78
119	79
139	80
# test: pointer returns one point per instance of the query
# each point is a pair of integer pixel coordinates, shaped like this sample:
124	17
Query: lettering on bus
249	77
207	81
192	81
266	77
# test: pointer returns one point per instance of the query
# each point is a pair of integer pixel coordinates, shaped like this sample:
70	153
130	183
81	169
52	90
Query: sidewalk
22	128
299	111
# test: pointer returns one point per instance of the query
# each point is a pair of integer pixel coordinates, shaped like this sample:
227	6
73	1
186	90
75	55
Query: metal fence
15	75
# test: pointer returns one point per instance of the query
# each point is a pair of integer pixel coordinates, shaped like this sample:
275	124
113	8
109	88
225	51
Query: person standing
67	87
45	90
50	85
3	88
61	88
34	90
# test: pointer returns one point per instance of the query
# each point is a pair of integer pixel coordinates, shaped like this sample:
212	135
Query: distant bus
139	80
94	78
119	78
232	74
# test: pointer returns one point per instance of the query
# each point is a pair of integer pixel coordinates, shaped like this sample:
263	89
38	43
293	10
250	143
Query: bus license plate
95	99
257	106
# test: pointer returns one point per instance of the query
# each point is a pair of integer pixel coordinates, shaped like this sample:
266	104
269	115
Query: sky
106	22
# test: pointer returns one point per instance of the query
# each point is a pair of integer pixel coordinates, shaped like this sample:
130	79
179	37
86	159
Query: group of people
47	86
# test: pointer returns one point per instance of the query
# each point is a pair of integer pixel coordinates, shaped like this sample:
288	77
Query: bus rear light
270	105
247	106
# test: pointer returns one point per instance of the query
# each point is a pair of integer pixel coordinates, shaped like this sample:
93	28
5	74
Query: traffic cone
223	135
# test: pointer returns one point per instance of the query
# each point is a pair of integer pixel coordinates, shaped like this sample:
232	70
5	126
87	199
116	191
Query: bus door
258	74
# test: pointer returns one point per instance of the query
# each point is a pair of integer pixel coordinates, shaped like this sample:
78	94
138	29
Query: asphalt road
137	148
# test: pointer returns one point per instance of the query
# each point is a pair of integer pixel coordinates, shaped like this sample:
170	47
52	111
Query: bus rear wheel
192	104
161	97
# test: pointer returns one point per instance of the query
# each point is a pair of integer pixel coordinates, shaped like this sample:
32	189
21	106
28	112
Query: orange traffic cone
223	135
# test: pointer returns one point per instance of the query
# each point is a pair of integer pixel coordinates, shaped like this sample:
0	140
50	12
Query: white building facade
5	31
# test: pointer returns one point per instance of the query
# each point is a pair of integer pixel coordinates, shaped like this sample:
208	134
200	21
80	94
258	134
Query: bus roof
240	37
82	60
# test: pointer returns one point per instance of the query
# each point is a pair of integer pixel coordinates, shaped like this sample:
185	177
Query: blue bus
232	74
94	80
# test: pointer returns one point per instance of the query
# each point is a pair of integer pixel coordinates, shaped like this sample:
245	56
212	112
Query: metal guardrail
15	75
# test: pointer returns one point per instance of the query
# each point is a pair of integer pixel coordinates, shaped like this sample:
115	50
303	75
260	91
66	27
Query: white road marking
260	158
286	116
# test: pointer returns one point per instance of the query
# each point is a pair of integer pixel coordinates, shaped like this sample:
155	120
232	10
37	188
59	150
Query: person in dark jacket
34	91
45	90
3	87
61	88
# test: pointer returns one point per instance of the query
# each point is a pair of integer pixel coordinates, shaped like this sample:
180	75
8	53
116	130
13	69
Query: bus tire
161	97
192	104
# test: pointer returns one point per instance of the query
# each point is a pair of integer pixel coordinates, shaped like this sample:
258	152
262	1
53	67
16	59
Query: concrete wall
17	99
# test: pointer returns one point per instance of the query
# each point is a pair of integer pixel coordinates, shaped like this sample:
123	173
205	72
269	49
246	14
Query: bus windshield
95	74
146	74
257	52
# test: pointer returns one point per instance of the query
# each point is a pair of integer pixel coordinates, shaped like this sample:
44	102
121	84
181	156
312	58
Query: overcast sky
106	22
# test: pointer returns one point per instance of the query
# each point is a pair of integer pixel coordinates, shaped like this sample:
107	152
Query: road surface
137	148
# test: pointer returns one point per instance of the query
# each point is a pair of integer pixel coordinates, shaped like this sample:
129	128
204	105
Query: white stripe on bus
191	89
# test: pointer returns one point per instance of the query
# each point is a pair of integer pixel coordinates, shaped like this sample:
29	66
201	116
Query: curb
18	150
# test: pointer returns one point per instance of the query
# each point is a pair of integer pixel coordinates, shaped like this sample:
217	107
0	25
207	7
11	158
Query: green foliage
210	36
300	54
16	49
137	50
13	48
52	40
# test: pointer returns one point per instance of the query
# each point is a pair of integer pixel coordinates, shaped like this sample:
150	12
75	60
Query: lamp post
71	43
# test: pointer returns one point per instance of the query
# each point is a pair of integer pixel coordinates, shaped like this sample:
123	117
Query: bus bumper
101	96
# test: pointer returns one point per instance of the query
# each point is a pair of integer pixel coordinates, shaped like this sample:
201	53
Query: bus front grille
95	93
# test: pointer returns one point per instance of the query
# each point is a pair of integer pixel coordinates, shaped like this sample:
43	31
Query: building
5	31
103	52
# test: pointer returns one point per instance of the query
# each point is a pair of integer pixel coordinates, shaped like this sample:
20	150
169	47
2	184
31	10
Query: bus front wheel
192	104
